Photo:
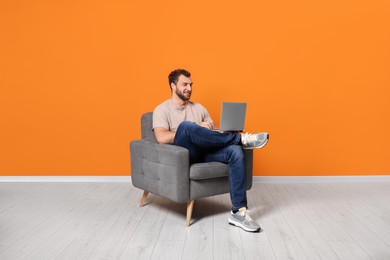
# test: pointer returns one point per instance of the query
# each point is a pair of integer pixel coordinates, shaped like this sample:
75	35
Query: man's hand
206	125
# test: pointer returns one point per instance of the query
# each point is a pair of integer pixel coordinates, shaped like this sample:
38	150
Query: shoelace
246	215
249	138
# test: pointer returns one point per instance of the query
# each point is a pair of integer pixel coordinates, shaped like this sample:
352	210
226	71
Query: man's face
183	88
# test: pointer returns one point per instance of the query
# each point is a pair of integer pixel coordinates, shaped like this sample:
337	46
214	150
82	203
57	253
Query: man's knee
185	126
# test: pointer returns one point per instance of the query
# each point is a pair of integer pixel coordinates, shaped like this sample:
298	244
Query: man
187	124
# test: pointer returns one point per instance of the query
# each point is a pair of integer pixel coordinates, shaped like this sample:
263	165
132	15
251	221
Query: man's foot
251	141
242	219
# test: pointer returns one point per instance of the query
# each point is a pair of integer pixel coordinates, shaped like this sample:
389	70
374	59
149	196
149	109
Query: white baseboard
321	179
256	179
65	179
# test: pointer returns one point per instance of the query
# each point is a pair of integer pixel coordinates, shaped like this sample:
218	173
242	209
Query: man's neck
179	102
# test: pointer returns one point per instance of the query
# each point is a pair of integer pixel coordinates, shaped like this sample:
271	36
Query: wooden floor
104	221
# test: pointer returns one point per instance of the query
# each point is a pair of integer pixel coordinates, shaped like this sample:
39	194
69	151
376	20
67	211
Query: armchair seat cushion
211	170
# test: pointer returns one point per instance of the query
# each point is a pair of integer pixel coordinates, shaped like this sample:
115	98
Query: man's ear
173	86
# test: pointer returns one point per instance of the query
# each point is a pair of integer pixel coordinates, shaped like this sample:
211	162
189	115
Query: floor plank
227	240
282	239
200	235
113	244
91	223
143	240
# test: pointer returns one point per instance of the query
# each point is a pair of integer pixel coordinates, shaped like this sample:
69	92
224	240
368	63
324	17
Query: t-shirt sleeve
160	118
206	116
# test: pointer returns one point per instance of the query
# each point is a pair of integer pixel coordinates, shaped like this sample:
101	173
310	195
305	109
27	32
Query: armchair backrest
147	127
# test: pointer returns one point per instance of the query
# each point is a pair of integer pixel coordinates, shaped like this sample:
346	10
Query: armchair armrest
161	169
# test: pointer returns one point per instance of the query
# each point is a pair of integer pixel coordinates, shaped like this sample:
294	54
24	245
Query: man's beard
182	97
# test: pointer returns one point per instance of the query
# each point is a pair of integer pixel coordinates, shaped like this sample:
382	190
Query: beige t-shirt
169	116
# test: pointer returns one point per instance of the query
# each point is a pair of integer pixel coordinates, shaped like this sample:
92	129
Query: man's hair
174	75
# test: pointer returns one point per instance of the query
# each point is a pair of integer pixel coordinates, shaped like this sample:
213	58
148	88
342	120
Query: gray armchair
165	170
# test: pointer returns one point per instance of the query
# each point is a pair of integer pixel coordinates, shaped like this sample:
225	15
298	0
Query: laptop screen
232	116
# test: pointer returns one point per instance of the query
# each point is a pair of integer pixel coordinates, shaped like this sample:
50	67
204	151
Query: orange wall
76	76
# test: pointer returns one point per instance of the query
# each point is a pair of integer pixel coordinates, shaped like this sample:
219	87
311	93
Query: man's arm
163	135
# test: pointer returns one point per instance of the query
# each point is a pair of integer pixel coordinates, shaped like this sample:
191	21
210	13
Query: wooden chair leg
143	199
190	207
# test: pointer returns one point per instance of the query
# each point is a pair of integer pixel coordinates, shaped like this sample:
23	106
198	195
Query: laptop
232	116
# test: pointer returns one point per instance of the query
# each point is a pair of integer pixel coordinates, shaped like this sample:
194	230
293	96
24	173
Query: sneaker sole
256	147
238	224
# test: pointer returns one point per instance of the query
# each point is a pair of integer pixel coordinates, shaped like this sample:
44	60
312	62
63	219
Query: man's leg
233	156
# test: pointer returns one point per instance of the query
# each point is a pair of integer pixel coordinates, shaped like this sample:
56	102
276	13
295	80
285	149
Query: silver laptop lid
232	116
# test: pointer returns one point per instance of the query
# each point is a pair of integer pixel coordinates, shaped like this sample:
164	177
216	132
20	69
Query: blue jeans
205	145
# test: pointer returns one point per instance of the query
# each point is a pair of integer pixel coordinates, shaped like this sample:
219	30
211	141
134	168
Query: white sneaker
243	220
252	141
